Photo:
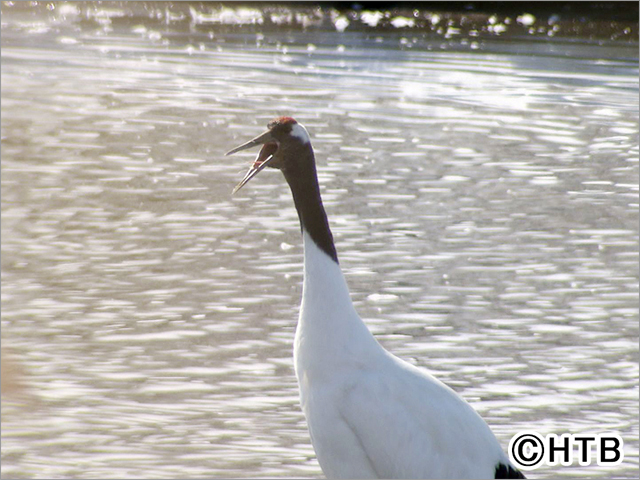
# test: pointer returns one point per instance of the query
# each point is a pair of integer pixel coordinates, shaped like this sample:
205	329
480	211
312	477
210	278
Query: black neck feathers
302	178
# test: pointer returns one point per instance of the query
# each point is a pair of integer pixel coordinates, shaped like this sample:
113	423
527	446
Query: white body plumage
370	414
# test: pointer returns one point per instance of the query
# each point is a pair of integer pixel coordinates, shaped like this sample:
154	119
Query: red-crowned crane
370	414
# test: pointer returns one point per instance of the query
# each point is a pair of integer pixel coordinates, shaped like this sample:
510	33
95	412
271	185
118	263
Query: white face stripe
300	133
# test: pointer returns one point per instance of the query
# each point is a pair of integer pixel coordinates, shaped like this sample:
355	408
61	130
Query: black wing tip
507	471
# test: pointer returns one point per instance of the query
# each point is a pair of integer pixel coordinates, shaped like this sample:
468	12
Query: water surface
483	200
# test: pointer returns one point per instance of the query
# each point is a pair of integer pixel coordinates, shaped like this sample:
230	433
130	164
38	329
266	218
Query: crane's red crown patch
281	121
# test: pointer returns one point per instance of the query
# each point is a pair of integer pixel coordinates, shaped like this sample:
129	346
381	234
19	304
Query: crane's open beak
269	147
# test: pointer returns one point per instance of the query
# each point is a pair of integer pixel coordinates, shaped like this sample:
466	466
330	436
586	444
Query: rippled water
484	207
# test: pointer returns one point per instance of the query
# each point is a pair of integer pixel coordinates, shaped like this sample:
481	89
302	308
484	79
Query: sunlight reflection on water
484	207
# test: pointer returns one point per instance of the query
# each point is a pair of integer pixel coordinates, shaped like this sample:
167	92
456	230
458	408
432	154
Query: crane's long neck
303	181
329	331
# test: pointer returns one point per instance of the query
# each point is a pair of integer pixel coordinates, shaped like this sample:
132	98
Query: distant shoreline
589	21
